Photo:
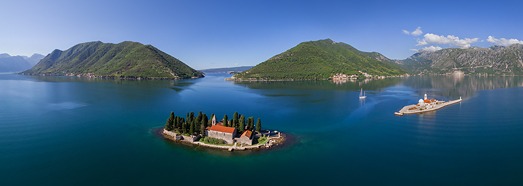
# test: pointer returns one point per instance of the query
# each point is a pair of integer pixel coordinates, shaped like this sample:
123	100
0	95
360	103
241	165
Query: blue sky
220	33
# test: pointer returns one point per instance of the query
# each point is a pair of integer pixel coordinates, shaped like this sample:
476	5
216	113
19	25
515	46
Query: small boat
362	94
398	113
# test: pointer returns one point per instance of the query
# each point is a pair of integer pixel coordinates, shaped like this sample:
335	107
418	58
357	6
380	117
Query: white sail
362	94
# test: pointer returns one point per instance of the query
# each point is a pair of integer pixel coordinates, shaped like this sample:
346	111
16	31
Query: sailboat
362	94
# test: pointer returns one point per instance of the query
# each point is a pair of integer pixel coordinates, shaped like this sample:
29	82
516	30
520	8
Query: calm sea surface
67	131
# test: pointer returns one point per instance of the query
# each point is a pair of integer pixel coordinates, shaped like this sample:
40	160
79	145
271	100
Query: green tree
175	122
199	117
241	124
191	128
191	117
258	125
169	125
235	120
184	127
225	119
202	130
180	124
250	122
205	120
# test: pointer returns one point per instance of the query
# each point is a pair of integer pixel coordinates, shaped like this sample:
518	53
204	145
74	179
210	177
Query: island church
228	134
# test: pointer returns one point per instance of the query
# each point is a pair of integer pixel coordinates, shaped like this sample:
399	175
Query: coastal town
239	133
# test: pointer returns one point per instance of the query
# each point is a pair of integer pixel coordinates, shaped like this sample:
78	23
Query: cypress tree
169	123
191	128
166	126
175	123
241	124
235	120
191	116
225	119
258	125
196	126
187	117
184	127
202	130
199	117
180	123
250	122
205	120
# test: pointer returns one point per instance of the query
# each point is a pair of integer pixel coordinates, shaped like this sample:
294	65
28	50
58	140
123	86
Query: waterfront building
219	131
245	138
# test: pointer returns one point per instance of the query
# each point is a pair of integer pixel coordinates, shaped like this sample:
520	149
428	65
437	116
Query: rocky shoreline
276	140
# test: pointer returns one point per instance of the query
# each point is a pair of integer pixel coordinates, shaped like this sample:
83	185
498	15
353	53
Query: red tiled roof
247	133
221	128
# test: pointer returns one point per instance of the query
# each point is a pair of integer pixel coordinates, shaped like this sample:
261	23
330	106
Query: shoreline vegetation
337	78
238	133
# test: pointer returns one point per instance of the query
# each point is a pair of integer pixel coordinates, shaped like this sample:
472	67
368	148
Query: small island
425	105
238	133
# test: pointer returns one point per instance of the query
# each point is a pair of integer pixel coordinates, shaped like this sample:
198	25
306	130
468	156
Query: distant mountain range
227	69
10	63
323	59
498	60
319	60
312	60
126	60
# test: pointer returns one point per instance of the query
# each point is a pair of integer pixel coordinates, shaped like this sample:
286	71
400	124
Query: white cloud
430	49
416	32
422	42
448	40
503	41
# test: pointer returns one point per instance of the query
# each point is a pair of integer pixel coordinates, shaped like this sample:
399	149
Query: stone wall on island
191	138
228	137
172	134
244	140
177	136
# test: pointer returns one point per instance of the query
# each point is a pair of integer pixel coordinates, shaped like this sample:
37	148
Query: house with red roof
245	138
218	131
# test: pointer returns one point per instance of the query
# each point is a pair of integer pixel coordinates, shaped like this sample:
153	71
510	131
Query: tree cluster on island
196	125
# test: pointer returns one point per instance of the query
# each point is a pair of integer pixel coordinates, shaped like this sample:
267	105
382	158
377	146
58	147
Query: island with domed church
238	133
425	105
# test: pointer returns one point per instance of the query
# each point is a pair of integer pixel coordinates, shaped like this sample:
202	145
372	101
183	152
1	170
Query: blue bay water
67	131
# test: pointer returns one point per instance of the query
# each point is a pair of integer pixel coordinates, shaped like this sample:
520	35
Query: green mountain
123	60
498	60
318	60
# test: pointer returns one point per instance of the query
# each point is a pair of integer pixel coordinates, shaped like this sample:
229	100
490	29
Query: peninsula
239	133
425	105
125	60
322	60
